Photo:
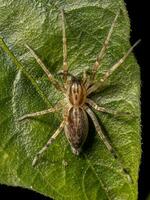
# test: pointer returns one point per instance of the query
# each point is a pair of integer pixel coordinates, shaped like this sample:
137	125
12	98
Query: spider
76	105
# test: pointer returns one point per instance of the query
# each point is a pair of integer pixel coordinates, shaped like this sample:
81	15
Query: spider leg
106	142
106	110
43	112
101	109
84	76
104	47
49	75
65	65
99	131
85	79
52	138
112	69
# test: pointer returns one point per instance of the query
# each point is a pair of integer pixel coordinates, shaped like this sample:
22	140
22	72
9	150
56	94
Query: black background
139	16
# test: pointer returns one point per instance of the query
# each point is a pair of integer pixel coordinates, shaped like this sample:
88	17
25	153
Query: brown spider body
76	93
76	128
77	101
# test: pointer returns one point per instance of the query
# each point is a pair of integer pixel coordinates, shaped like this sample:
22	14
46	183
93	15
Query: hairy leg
106	110
84	76
111	70
49	75
65	65
104	48
86	80
43	112
53	137
99	108
99	131
107	143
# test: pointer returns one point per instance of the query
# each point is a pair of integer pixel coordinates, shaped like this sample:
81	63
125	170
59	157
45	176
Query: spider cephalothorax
77	104
76	92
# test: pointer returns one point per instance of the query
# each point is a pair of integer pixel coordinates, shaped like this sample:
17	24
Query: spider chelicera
76	104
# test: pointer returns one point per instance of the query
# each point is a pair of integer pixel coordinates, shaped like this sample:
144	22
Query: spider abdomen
76	128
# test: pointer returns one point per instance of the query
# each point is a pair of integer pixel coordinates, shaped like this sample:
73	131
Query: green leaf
59	174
